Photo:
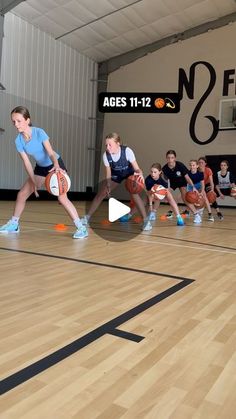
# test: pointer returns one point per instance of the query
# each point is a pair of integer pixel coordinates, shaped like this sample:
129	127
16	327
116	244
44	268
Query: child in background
177	174
155	178
224	181
197	178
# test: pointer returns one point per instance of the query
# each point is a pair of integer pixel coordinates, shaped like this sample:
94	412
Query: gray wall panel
54	82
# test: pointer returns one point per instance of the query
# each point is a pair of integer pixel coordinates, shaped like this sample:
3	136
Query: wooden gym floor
139	329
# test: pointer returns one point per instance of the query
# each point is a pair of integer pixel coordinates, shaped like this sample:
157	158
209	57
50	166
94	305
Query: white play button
116	209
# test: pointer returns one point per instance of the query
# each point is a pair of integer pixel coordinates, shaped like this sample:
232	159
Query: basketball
134	185
191	197
200	202
211	196
57	183
233	192
158	192
159	103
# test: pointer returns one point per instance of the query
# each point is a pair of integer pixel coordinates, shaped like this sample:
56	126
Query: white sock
15	220
77	222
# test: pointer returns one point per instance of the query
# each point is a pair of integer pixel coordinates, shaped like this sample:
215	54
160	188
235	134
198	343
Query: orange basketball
233	192
134	185
200	202
158	192
211	196
159	103
57	183
191	197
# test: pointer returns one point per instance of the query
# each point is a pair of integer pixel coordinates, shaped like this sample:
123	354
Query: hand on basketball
57	169
140	177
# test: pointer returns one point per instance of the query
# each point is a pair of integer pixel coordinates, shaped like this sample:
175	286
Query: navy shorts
225	192
119	178
43	171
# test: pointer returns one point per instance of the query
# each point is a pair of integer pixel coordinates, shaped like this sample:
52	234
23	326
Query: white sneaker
197	219
85	221
200	212
147	226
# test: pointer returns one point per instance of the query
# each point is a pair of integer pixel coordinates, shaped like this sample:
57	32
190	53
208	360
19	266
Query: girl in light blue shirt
35	142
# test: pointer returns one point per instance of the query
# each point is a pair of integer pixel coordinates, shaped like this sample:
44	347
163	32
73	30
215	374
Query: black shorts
178	184
207	187
43	171
225	192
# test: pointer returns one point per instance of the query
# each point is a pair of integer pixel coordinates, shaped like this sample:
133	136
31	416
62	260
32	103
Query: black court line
43	364
126	335
109	327
91	262
169	238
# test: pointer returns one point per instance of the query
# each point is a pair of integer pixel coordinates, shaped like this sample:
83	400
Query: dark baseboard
10	195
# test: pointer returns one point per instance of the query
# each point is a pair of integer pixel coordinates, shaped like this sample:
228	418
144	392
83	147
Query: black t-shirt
150	182
176	175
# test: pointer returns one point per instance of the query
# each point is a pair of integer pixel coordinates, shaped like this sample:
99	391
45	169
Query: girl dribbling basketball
34	141
120	163
155	178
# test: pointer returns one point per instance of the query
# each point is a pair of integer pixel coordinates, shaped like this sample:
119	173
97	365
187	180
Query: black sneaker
169	214
220	216
210	217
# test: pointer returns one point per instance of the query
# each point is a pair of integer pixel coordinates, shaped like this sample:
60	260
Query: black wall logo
189	85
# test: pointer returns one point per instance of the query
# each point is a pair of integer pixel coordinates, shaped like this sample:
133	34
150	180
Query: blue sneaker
80	233
10	227
180	221
125	218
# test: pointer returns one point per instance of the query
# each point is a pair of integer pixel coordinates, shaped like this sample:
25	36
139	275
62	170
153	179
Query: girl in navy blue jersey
177	174
155	178
120	163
